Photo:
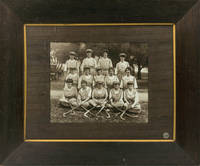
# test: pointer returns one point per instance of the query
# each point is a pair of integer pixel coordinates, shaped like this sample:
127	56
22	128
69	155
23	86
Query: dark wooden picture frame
182	151
162	90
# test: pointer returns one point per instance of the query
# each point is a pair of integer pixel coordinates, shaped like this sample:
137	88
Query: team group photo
98	82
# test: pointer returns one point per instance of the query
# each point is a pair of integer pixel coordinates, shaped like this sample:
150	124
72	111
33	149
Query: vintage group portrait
99	82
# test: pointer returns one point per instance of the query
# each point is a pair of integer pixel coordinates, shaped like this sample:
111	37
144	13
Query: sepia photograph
101	82
98	82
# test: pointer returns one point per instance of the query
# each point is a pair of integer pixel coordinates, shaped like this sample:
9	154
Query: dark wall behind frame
184	152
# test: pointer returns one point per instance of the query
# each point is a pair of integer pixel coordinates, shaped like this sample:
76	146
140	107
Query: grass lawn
57	111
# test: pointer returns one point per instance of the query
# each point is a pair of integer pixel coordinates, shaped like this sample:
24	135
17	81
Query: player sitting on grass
84	95
131	99
116	97
99	97
69	98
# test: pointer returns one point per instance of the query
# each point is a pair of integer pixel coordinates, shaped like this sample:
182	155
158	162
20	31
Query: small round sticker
165	135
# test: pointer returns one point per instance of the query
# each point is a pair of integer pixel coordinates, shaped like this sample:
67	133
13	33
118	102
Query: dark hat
72	53
122	55
89	50
69	81
116	82
130	83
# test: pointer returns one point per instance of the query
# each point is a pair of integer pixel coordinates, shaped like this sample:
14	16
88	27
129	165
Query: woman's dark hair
83	82
128	68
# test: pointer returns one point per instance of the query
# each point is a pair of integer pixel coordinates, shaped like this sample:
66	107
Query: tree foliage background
137	53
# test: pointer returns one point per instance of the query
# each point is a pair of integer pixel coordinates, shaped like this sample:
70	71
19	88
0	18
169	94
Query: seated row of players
93	63
98	97
107	80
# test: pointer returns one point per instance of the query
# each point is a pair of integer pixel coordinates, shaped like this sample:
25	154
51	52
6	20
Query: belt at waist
90	66
70	97
99	97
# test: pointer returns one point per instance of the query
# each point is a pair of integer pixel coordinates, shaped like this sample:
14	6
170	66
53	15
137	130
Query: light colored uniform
116	97
88	78
74	77
98	78
91	63
109	81
84	96
71	64
131	98
105	64
120	69
126	79
99	97
69	97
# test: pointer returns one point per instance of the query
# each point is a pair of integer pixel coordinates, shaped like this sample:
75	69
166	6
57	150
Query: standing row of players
103	62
